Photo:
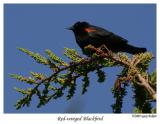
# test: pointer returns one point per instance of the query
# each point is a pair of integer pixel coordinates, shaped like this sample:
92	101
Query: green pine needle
23	79
36	56
55	58
72	54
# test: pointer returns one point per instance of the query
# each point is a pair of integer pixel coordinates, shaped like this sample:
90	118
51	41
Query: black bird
87	34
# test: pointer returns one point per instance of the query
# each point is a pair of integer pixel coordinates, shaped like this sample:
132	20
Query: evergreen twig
66	74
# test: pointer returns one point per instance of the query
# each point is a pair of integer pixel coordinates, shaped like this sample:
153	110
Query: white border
80	1
1	55
52	118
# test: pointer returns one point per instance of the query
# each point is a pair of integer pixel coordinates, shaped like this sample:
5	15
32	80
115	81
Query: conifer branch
66	74
129	64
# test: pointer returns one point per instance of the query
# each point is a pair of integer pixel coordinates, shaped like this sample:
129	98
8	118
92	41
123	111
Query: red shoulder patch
89	29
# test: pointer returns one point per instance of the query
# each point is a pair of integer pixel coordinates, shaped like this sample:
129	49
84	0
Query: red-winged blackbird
87	34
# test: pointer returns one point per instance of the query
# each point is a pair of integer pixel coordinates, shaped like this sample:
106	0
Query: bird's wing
98	32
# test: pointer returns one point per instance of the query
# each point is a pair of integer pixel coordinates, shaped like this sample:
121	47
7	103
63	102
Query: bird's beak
70	28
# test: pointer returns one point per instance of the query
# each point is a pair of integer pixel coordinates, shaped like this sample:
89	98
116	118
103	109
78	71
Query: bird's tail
134	50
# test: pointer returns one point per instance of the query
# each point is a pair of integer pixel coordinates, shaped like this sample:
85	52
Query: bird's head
79	27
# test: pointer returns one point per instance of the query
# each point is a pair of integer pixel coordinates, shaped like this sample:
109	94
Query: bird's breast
85	40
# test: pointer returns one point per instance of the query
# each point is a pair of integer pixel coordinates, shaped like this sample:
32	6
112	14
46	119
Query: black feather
99	36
